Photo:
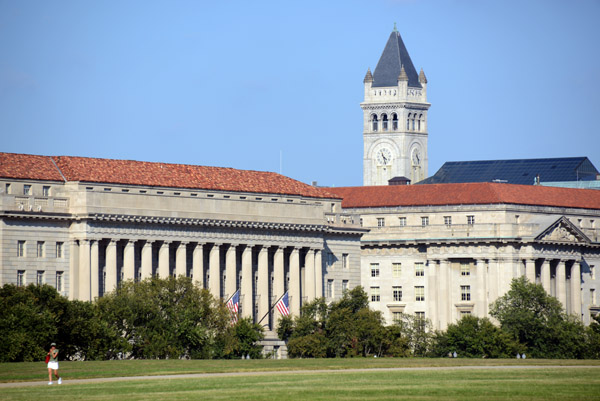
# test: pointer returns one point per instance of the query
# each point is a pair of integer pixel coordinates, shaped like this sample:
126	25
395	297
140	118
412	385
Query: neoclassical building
440	251
84	225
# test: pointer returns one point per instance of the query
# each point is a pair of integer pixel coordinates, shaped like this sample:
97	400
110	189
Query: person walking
53	364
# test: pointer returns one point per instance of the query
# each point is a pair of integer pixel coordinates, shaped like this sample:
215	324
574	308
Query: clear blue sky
237	83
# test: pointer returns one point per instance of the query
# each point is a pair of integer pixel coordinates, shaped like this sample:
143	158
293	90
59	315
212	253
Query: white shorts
53	365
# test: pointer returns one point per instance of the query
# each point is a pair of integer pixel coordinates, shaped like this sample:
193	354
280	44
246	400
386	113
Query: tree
243	339
416	333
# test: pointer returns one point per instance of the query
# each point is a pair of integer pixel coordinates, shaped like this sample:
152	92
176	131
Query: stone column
432	292
110	283
318	273
84	270
163	260
481	300
445	301
214	271
294	290
129	261
230	271
198	265
561	283
147	260
309	278
530	270
545	275
576	289
181	259
263	285
278	282
94	269
74	270
246	297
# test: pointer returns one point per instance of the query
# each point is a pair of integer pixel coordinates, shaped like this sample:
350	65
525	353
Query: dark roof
131	172
478	193
518	171
390	63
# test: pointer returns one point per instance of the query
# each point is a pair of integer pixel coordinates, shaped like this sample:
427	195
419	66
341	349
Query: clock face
416	156
384	156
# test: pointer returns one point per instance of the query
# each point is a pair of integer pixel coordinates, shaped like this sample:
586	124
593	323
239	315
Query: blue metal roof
518	171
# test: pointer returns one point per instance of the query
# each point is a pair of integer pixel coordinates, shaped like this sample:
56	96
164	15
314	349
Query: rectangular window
375	294
465	292
419	269
59	250
470	220
344	285
592	272
396	269
465	269
593	299
39	278
380	222
329	289
8	189
344	260
419	293
420	320
465	313
374	269
59	281
397	316
402	221
329	259
424	221
397	293
46	190
21	249
448	221
40	249
26	189
20	278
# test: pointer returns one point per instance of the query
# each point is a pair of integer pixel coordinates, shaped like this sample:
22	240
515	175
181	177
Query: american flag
234	305
283	306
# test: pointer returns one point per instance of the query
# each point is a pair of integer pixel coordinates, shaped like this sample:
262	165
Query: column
198	265
318	274
230	271
545	275
84	270
263	285
561	283
294	290
432	293
480	270
146	260
309	279
74	270
530	270
214	271
508	270
181	259
163	260
246	295
576	289
279	277
445	301
129	261
94	269
110	282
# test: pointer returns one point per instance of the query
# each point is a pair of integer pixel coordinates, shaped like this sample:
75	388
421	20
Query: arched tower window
408	122
374	122
413	121
420	118
384	122
394	122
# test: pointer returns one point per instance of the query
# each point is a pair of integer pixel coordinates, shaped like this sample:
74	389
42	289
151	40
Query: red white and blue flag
234	306
283	306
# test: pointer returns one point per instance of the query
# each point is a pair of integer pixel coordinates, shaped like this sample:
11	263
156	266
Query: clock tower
395	118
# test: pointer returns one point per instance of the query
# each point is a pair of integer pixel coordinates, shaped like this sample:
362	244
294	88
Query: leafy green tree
242	339
307	339
417	334
592	334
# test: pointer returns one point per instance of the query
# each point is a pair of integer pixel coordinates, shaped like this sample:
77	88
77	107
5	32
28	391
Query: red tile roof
466	194
130	172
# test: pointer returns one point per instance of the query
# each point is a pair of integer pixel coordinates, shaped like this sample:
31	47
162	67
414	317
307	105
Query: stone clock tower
395	118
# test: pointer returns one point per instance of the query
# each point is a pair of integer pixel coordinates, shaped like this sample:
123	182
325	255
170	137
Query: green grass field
573	380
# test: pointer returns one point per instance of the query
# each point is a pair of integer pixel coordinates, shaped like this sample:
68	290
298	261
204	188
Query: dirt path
66	381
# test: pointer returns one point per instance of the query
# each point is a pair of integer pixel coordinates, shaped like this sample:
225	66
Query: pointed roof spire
369	76
390	64
395	29
402	76
422	77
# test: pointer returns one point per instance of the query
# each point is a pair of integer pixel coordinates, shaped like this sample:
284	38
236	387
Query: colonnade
262	273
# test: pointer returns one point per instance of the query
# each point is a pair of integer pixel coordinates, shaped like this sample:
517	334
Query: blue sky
241	83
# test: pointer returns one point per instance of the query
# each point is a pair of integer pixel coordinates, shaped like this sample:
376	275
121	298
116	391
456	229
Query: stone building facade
84	225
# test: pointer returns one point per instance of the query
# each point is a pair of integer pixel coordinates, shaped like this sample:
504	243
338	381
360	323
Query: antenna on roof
395	29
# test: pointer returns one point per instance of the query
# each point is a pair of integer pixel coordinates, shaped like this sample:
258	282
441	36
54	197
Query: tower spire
368	76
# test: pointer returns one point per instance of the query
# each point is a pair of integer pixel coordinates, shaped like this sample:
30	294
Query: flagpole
271	308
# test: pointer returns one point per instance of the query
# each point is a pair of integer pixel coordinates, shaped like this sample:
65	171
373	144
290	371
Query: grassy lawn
472	384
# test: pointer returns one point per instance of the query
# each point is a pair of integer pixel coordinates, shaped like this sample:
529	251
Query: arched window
374	122
413	122
394	122
420	118
408	122
384	122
